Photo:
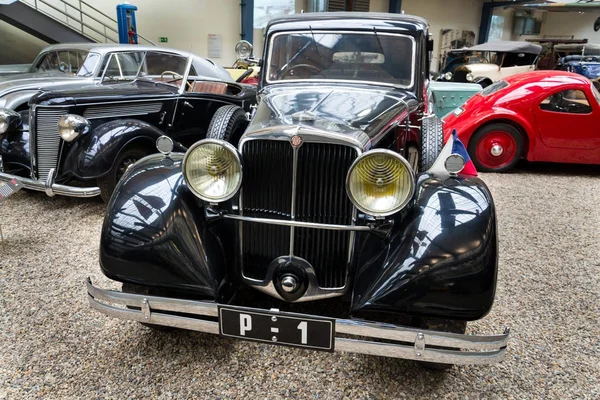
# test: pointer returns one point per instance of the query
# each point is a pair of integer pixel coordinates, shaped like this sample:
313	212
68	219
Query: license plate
277	328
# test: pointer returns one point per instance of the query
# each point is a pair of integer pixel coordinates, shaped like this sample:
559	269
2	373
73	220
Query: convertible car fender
94	154
17	100
155	233
440	262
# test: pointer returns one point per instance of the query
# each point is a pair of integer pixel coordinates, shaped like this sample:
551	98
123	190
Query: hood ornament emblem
296	141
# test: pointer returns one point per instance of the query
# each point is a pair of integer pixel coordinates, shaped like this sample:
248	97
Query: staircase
62	21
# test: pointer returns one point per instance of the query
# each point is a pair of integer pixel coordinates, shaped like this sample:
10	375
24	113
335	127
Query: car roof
104	48
337	20
550	76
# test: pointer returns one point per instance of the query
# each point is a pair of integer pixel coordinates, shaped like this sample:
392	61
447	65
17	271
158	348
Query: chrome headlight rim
400	206
448	76
77	124
470	77
231	148
243	49
8	118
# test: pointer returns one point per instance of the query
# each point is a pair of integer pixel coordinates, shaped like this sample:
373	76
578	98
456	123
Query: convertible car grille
47	140
320	197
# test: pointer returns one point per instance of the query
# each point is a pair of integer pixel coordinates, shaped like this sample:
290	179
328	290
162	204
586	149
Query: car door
568	118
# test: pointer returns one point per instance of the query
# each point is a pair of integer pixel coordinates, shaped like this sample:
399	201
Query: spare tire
228	123
432	138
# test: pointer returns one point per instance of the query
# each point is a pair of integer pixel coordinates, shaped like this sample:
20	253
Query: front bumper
400	342
49	186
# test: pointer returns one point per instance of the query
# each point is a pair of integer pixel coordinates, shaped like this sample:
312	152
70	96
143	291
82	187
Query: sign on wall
214	45
163	39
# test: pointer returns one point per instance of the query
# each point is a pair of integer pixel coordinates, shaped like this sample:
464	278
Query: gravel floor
53	346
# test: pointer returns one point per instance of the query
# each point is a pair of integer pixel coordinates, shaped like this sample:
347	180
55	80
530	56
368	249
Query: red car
539	116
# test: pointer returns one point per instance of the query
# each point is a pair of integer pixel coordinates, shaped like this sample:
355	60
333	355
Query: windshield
154	65
71	62
342	56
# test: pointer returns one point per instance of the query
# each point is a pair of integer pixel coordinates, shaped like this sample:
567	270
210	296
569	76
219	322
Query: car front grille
320	198
47	140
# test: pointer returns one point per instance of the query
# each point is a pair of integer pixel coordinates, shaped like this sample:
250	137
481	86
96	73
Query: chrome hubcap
496	150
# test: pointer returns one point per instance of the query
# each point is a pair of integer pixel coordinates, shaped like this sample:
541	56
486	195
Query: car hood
106	92
482	69
357	115
37	81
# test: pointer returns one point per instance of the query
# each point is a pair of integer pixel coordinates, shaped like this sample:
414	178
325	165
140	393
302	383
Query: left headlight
470	77
380	182
212	170
8	118
70	126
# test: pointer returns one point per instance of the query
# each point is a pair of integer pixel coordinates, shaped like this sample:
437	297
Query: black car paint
439	261
184	117
436	258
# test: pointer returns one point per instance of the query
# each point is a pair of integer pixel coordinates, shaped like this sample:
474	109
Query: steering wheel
307	66
176	76
63	67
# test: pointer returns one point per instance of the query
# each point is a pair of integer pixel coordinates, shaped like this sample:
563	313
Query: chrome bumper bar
402	342
49	186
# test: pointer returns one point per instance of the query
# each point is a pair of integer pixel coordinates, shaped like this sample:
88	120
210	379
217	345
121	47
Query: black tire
228	123
487	129
136	289
108	182
432	141
441	325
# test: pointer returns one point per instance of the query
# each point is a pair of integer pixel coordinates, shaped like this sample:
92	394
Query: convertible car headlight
380	182
448	76
212	170
470	77
70	126
8	118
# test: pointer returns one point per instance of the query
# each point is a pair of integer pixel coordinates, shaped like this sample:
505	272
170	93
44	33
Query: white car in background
490	62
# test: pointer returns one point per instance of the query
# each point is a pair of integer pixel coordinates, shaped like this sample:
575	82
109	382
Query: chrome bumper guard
408	343
49	186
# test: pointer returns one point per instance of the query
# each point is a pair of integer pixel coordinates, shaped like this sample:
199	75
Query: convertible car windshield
318	56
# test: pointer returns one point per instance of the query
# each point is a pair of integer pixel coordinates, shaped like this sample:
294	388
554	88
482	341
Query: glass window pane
567	101
123	66
88	66
342	56
157	63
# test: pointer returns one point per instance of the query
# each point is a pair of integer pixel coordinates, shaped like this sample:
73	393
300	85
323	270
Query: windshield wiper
379	43
315	43
285	66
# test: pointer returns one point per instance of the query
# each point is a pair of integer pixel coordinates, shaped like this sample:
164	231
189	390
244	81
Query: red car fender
467	127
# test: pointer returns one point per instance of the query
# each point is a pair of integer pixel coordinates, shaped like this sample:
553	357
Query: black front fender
92	155
440	262
14	147
155	232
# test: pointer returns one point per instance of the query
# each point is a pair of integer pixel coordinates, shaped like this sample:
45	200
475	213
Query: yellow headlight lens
380	182
212	170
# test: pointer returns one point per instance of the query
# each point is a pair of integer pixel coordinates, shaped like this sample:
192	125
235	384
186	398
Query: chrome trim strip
300	224
293	206
342	31
405	342
49	186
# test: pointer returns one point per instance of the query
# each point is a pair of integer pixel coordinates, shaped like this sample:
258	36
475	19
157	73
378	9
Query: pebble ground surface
53	346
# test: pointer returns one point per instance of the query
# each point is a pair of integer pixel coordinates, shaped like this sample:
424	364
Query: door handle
188	104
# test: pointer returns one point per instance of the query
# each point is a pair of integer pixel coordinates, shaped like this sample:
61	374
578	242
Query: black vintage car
315	229
79	142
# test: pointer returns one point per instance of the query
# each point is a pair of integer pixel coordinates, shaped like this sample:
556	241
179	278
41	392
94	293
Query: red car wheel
496	147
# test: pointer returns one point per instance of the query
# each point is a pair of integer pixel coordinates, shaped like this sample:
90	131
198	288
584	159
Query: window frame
578	89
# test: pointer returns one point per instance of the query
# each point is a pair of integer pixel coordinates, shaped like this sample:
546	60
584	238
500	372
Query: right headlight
448	76
8	118
212	170
380	182
71	126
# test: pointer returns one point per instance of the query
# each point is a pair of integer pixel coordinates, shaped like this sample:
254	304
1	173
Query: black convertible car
323	226
79	142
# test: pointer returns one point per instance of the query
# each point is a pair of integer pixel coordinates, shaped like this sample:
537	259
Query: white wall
446	14
186	24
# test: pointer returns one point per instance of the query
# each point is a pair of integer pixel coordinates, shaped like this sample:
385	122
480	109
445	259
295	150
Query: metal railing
81	17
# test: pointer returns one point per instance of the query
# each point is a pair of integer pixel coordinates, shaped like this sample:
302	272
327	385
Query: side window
157	63
567	101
